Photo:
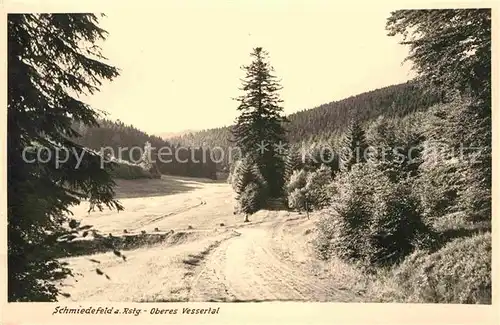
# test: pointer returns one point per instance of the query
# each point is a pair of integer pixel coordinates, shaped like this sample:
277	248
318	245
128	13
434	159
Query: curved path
248	268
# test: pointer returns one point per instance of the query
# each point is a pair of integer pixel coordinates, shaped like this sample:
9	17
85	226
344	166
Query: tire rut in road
205	270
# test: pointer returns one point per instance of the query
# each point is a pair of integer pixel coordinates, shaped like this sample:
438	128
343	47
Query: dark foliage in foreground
50	58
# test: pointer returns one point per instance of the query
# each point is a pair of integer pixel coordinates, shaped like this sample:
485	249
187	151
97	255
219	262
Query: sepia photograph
249	152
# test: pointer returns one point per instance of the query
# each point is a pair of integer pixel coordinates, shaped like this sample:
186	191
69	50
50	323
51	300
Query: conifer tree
245	173
250	187
249	200
451	50
353	147
259	130
51	57
293	161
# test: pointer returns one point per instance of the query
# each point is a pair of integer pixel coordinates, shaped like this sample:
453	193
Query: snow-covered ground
212	255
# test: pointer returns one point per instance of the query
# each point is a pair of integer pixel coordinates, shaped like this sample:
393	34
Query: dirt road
251	267
213	257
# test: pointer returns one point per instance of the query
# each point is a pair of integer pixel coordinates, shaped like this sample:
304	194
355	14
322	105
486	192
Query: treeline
393	101
328	121
125	142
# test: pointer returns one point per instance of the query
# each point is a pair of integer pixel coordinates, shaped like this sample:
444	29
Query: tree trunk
246	218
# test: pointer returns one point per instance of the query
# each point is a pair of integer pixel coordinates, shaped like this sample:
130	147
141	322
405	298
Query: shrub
297	199
460	272
395	227
297	180
341	230
371	220
295	190
475	198
316	187
309	190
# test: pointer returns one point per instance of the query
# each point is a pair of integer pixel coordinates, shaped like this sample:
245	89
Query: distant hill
324	121
124	141
169	135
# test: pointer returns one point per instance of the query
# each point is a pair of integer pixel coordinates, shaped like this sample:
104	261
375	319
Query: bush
475	198
317	187
297	180
295	189
460	272
309	190
297	199
396	227
371	220
341	230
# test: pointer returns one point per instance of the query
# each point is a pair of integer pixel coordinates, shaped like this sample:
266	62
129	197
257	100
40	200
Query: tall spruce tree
259	131
51	58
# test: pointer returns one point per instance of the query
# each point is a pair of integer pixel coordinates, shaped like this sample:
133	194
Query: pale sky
180	64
